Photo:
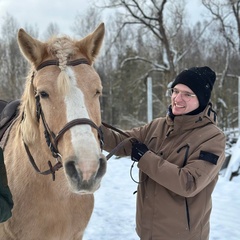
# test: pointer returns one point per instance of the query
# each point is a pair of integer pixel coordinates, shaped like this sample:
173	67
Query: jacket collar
187	122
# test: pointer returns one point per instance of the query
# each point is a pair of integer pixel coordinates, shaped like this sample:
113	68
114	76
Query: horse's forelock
62	48
63	82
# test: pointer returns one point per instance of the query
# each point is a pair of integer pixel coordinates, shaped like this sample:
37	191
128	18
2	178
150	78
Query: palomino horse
57	126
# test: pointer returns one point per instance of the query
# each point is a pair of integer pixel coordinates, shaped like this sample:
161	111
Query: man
179	158
6	202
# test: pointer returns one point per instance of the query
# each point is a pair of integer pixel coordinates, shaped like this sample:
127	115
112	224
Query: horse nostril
71	170
102	167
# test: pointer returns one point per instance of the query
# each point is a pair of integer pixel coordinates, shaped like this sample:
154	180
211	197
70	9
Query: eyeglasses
186	96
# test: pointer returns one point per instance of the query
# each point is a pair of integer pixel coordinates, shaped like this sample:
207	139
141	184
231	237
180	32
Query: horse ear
91	44
32	49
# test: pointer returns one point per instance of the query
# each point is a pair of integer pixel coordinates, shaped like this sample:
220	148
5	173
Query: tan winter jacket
178	174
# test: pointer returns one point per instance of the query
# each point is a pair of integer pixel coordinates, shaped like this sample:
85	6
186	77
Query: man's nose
179	96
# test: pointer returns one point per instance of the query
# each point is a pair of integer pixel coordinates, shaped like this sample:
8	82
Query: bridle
52	138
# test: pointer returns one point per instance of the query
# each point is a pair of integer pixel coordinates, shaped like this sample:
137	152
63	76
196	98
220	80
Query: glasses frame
186	96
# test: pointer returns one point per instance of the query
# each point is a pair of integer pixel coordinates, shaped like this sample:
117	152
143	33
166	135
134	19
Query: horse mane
57	48
27	111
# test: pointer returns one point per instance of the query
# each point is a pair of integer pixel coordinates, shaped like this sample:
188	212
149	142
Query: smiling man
191	90
179	157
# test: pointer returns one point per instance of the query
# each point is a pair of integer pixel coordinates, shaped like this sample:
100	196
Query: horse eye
98	92
43	94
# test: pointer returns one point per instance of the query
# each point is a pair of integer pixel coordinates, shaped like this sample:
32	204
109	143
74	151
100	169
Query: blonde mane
28	112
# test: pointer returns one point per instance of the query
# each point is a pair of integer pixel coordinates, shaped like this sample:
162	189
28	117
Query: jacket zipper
187	212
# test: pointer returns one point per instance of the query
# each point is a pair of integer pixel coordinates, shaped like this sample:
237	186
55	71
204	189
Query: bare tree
161	22
52	30
81	26
148	15
235	5
12	66
226	18
222	16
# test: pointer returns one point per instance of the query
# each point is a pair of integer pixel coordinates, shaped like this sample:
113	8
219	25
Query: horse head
60	107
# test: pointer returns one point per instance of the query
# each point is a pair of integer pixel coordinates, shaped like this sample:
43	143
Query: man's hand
138	150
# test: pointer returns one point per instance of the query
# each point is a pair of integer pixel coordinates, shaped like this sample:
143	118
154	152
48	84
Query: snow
234	162
113	217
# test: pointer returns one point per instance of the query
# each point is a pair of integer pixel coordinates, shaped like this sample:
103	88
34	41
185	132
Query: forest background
144	38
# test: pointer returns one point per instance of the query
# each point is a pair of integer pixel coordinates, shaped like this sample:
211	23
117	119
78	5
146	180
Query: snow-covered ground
114	212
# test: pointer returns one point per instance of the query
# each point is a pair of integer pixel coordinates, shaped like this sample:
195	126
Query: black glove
138	150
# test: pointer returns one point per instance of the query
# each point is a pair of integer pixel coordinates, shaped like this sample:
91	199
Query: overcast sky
41	13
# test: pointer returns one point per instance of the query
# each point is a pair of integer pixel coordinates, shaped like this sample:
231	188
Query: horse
53	148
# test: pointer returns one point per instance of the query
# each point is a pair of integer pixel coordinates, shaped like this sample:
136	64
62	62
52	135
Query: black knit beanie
200	80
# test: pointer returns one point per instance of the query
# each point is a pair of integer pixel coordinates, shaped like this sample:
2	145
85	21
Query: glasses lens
185	96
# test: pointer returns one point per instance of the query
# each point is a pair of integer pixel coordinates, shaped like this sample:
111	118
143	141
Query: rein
51	138
121	144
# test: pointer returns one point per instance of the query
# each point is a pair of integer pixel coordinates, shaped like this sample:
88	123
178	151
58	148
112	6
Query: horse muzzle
85	177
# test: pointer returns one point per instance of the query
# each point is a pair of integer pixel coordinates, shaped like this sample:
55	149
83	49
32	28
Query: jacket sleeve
6	202
190	179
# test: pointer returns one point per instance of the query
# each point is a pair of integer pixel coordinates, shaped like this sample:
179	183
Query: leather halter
51	138
56	63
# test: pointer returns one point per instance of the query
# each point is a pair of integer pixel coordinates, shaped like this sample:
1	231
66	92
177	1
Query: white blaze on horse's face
86	166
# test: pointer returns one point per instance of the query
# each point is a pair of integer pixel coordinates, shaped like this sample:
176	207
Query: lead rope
120	145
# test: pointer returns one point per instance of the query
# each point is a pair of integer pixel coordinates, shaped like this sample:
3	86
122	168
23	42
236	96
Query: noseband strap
79	121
